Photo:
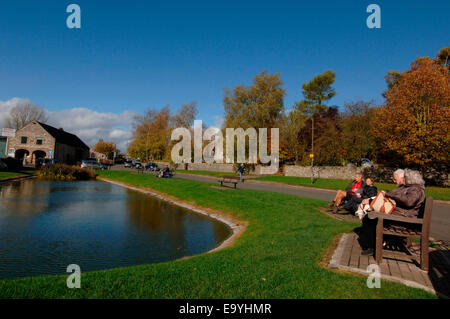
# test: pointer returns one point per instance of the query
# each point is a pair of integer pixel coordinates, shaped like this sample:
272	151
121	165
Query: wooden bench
229	179
405	227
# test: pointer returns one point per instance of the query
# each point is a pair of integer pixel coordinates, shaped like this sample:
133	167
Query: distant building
38	140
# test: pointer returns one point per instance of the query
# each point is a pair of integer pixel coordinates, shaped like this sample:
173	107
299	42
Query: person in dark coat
241	170
368	192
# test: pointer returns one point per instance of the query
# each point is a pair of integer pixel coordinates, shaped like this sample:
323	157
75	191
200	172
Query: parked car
91	164
46	162
136	163
3	164
127	164
151	166
365	162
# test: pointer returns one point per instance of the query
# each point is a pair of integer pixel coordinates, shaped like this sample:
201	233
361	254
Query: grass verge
6	175
278	256
441	193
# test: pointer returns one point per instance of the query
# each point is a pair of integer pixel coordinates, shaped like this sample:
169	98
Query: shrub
62	172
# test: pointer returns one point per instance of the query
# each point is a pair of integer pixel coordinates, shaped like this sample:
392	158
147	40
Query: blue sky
133	55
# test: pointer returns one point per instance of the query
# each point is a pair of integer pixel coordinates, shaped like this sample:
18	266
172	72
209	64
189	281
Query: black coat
369	191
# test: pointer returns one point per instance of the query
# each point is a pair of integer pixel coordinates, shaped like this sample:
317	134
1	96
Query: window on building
23	140
39	141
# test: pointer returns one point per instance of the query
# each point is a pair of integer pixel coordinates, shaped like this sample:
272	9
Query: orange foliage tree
414	123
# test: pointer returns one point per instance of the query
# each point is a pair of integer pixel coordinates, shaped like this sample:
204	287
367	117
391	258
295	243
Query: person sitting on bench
368	193
165	172
342	196
409	197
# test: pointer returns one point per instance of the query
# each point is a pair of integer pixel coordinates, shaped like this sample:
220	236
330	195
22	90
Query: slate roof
64	137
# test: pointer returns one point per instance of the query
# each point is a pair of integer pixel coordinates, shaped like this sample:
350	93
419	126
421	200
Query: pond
46	226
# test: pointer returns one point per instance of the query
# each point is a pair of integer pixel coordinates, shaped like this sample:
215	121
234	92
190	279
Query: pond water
46	226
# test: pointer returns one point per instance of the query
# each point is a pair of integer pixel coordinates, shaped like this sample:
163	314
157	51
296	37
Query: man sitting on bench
354	187
165	172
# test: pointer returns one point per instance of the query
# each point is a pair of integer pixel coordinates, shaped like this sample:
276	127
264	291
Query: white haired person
409	197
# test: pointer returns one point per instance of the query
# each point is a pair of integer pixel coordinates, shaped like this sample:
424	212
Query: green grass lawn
441	193
9	174
277	256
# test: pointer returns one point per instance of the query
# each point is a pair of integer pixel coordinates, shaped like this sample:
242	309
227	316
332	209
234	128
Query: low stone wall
321	171
216	167
380	174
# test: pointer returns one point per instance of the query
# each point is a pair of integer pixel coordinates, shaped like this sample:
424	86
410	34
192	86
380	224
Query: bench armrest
409	220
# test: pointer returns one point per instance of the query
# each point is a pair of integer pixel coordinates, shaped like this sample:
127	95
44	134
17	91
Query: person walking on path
241	170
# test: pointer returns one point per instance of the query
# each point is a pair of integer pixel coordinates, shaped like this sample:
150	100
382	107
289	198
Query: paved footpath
440	220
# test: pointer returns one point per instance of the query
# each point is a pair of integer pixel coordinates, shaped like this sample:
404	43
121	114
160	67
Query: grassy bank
277	256
328	183
6	175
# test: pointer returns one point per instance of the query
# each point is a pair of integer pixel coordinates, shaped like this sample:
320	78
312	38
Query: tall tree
316	93
259	105
24	113
327	140
105	147
414	122
357	138
443	56
391	79
290	126
151	135
185	116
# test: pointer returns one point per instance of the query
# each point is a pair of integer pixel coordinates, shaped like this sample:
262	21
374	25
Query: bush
62	172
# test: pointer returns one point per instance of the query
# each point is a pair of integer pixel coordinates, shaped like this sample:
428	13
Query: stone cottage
38	140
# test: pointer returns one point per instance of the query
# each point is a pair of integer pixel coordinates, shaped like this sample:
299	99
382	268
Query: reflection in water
45	226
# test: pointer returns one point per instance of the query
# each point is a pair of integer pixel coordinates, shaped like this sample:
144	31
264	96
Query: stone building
38	140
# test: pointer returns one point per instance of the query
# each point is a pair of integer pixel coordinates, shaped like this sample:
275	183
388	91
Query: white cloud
5	108
87	124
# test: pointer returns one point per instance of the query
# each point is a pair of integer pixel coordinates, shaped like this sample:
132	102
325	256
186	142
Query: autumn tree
443	56
259	105
152	131
105	147
185	116
391	79
25	112
290	143
414	123
357	139
151	135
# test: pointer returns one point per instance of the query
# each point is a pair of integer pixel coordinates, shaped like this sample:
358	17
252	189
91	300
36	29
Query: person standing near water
241	170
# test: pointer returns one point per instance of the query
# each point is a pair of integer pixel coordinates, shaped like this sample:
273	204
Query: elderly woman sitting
409	199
